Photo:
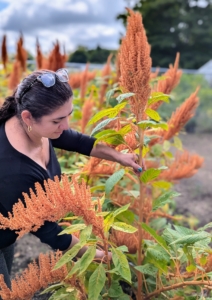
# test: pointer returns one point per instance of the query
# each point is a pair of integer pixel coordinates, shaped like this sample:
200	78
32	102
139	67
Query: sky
73	22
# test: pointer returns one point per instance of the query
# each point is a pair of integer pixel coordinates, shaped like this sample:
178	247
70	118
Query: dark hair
38	100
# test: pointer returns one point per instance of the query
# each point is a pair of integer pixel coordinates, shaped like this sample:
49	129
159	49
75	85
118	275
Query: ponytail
8	109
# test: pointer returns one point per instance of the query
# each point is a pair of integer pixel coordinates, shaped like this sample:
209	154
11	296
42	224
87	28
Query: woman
33	121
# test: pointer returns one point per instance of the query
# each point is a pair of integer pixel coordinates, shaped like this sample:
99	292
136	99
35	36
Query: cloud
72	22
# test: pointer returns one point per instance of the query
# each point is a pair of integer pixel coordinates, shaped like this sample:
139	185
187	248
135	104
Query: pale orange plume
4	55
56	60
87	112
34	278
15	76
182	115
84	81
97	166
21	54
135	64
75	80
118	74
51	204
105	76
39	57
184	165
172	78
154	74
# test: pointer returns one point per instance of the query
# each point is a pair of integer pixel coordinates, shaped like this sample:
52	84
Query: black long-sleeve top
18	173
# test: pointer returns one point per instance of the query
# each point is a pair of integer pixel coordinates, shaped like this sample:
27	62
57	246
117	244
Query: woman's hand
131	160
101	255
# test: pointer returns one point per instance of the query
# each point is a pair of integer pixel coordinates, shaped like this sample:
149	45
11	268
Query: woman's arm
127	160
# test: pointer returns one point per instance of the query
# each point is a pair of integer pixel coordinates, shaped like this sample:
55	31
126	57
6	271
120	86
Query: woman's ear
27	117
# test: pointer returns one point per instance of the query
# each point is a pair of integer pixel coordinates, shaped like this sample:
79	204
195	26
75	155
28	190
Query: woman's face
51	126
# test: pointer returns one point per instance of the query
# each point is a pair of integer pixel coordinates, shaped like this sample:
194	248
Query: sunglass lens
47	79
62	74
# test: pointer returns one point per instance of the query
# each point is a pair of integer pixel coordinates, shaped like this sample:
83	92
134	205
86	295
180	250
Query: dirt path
195	199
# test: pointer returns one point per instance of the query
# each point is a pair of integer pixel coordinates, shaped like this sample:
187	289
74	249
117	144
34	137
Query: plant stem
207	284
141	209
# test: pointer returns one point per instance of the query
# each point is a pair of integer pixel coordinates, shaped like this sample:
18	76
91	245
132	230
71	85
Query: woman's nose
65	124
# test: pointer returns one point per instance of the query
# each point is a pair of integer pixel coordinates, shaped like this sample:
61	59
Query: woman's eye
55	122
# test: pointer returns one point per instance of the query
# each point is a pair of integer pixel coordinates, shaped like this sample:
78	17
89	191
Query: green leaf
153	233
120	210
122	97
97	187
149	175
101	114
115	290
108	221
104	132
124	227
162	184
158	96
117	109
102	125
163	199
96	283
85	234
113	180
87	258
152	124
166	145
52	288
147	269
110	93
73	228
124	130
134	193
68	256
121	263
178	143
123	248
115	139
192	238
153	114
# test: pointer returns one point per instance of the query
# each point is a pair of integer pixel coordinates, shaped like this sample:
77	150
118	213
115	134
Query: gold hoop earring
29	128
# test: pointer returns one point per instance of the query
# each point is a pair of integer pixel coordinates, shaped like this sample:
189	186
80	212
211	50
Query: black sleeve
11	189
72	140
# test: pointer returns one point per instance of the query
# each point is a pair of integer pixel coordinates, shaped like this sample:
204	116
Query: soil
195	199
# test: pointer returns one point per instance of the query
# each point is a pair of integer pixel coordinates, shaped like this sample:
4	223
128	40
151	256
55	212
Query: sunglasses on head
48	79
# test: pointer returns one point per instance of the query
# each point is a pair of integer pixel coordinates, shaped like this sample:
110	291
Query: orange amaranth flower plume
185	165
39	57
87	111
4	55
182	115
51	204
15	76
21	54
105	75
135	64
172	78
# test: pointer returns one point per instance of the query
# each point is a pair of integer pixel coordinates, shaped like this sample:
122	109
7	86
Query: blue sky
72	22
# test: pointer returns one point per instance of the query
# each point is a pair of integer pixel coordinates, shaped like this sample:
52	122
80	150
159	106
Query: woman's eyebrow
60	118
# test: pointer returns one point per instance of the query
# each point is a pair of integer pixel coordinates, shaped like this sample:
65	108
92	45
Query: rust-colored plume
56	60
4	56
172	78
39	56
184	165
182	115
105	76
21	54
84	81
15	76
87	112
51	204
135	64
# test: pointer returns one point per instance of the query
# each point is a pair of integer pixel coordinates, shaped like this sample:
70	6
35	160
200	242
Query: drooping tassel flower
135	64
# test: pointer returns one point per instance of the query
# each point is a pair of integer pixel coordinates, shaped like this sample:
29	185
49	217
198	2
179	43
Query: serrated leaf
96	283
120	226
191	239
149	175
115	290
162	184
122	97
147	269
153	233
102	125
101	114
152	124
121	263
113	180
123	248
163	199
120	210
73	228
87	258
153	114
85	234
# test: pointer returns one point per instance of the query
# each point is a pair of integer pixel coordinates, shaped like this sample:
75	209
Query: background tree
172	26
